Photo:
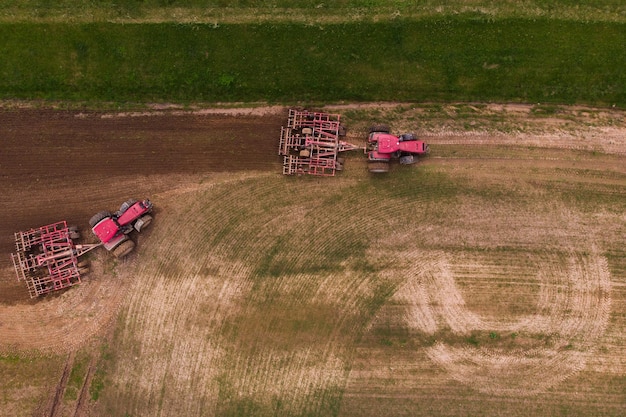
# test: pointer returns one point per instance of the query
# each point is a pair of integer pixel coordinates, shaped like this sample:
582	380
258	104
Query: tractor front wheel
126	205
407	160
124	248
143	222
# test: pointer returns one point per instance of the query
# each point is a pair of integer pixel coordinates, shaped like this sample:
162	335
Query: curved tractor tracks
572	310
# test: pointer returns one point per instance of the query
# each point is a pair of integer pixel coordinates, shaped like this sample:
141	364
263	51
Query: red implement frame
310	143
47	258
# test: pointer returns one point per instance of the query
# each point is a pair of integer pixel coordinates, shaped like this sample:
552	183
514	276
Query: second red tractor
113	228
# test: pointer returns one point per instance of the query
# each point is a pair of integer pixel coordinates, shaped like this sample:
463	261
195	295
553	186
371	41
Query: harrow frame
46	258
310	143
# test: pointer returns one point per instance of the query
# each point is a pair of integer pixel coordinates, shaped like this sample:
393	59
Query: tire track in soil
573	308
56	406
570	314
65	321
81	409
606	140
300	371
175	295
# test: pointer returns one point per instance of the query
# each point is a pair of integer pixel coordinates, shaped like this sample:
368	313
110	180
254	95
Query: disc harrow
46	258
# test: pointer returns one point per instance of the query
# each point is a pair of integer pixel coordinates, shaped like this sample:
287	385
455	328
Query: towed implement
46	258
311	143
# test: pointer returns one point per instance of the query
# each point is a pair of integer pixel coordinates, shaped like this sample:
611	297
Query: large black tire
378	167
379	128
407	137
143	222
97	218
73	232
407	159
124	248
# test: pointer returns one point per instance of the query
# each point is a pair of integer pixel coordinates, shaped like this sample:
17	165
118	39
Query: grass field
470	57
249	11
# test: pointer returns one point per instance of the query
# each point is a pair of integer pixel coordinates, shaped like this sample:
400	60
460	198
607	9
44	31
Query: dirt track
57	165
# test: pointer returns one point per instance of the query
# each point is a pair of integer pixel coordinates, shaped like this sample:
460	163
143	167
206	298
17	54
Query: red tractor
382	147
113	228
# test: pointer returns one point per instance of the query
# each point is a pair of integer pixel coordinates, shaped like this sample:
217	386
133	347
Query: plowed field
487	280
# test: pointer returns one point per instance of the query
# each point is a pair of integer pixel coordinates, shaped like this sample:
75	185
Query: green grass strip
463	58
309	11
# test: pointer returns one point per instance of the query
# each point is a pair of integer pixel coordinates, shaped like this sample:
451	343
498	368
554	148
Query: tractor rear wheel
379	128
143	222
73	232
97	218
124	248
378	167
